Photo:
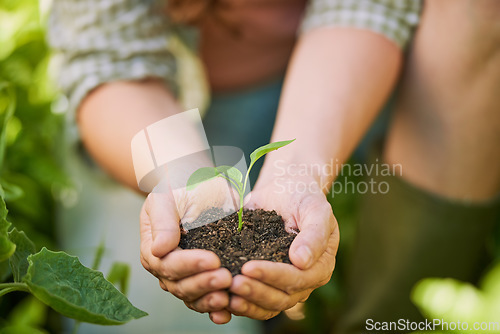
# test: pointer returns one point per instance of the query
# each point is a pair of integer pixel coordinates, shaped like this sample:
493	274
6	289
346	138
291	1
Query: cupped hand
266	288
194	276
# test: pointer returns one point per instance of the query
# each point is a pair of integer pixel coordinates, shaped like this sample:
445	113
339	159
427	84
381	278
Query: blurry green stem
76	327
98	256
10	287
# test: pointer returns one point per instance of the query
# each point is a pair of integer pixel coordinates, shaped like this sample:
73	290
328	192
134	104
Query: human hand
194	275
266	288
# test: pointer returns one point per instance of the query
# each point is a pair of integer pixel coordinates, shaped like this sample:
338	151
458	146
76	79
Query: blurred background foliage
452	301
31	179
30	175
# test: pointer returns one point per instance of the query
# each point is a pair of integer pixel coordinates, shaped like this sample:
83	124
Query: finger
240	306
186	262
193	287
291	279
220	317
316	223
261	294
161	213
163	286
247	308
180	263
211	302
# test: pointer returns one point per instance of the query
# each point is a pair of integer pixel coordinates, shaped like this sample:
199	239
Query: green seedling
233	175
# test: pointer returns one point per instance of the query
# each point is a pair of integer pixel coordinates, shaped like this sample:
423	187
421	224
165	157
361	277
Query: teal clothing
244	119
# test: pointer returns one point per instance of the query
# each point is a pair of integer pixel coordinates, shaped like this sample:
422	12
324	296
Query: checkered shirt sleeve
106	40
394	19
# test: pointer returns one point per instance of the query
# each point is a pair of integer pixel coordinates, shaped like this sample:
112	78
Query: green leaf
11	192
232	172
7	247
258	153
7	107
62	282
19	260
201	175
120	273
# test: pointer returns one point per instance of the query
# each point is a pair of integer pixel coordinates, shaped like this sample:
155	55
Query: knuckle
163	285
326	278
283	304
323	282
190	306
298	286
199	306
178	291
202	285
270	315
305	298
291	289
145	263
169	273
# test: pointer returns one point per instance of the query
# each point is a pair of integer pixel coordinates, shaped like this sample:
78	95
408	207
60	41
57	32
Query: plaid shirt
106	40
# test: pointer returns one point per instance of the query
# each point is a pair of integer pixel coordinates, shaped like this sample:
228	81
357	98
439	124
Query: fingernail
245	290
304	253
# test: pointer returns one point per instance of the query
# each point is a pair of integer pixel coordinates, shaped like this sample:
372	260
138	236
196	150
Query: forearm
112	114
337	81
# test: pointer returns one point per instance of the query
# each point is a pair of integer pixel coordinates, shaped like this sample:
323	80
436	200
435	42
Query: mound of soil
263	237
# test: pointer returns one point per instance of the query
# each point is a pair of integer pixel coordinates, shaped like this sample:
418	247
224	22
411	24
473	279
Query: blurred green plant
452	301
30	174
30	179
60	280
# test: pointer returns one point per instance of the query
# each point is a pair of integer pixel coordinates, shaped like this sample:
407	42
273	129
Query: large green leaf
7	247
62	282
258	153
201	175
19	260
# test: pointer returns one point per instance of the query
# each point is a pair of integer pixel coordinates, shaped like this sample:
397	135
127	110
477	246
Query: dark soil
263	237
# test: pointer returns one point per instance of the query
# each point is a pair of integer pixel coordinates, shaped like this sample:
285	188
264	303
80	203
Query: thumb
316	224
164	221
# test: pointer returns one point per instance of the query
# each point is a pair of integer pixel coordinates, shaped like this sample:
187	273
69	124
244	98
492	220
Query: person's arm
337	81
112	114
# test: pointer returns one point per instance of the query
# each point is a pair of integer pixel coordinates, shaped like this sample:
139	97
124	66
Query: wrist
300	176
